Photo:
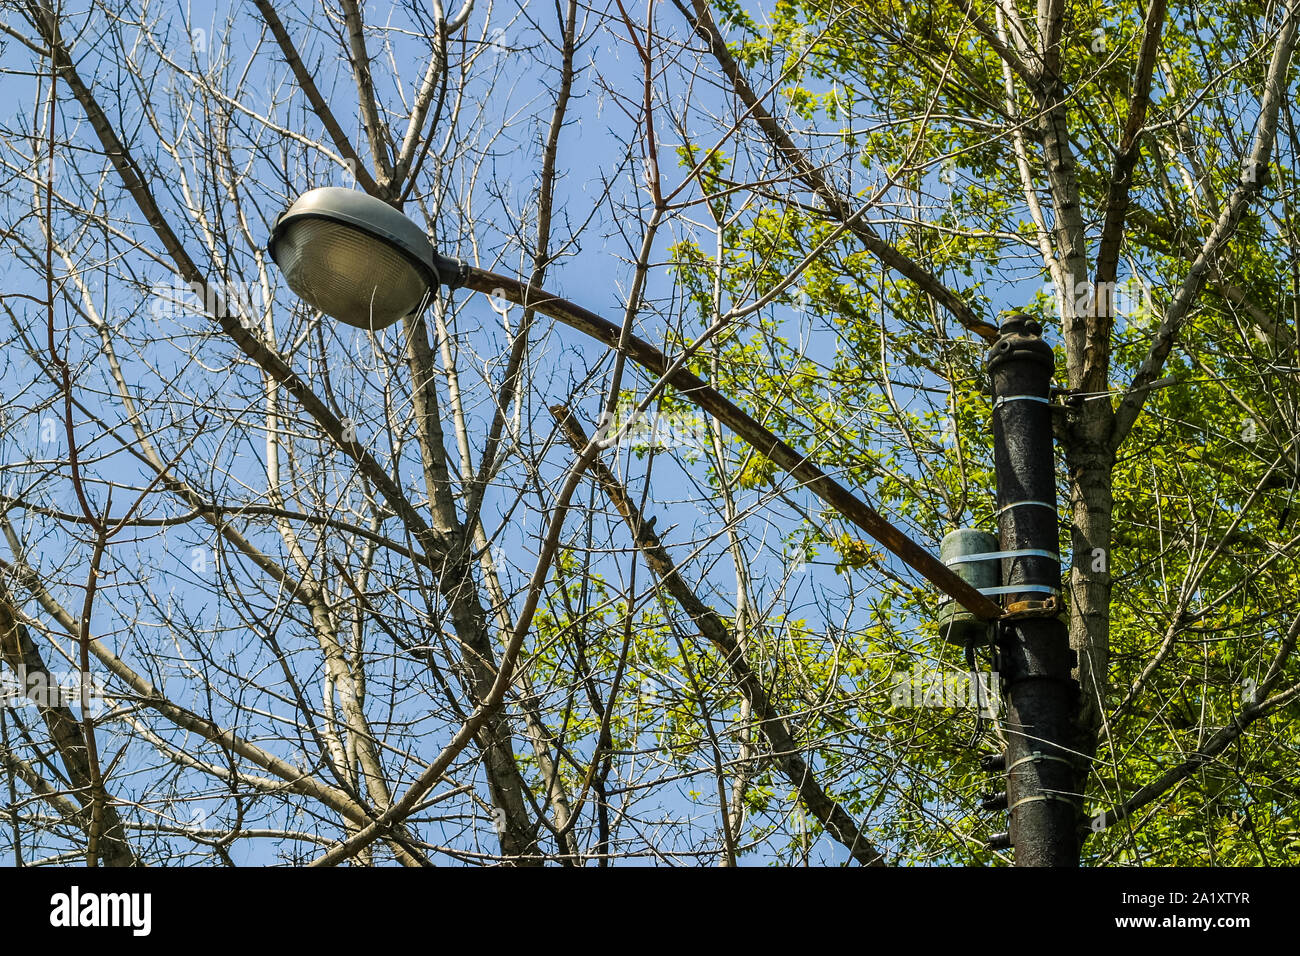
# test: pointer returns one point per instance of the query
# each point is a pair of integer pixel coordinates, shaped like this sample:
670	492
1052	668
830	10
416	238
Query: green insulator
956	624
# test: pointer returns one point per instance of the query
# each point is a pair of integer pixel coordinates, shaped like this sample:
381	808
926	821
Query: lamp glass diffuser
358	259
349	274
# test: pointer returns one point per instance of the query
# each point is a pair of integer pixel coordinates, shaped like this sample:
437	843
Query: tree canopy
478	588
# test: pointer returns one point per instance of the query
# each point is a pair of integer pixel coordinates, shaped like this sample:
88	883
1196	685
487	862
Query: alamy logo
977	690
660	430
52	689
1128	299
75	909
237	300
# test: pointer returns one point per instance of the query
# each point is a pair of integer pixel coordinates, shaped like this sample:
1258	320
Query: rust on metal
700	393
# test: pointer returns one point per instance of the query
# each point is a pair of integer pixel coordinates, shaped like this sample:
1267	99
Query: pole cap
1020	337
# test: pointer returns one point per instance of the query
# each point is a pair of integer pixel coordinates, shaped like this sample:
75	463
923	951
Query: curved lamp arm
704	396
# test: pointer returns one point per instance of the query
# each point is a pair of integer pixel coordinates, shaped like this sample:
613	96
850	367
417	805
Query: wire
979	687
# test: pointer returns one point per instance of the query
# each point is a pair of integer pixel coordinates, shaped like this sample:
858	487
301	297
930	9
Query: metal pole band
1040	798
1025	504
1018	553
1037	756
1003	399
1021	589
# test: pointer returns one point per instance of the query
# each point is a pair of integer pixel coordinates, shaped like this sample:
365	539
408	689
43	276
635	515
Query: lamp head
356	258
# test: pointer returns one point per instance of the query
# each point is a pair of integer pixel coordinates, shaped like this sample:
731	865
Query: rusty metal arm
695	390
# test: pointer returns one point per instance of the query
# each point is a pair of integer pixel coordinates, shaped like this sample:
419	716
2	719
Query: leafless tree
326	595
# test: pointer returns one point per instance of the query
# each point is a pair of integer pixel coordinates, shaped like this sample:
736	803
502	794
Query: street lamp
356	258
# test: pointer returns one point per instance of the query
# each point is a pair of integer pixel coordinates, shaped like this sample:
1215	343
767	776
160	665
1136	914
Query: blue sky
161	597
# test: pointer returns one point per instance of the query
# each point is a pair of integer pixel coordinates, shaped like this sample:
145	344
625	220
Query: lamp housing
357	259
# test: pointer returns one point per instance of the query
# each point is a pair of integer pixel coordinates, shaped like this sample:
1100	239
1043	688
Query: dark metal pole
1033	643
